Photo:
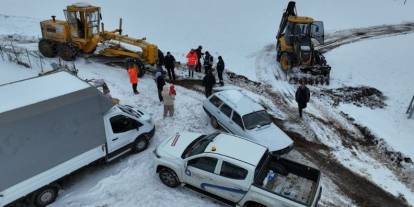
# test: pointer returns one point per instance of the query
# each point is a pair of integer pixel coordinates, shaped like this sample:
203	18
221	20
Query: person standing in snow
302	96
220	68
169	97
161	58
199	55
208	62
133	77
169	62
159	79
191	62
208	82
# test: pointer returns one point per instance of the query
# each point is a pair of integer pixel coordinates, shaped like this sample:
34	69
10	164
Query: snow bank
386	65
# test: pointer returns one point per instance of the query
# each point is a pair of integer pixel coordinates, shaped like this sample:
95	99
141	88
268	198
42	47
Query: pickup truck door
199	171
230	182
123	130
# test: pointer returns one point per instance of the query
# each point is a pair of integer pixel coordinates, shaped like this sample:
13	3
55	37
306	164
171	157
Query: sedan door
236	124
212	105
225	120
124	131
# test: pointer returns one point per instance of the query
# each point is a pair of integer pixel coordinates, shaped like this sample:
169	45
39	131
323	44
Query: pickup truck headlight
156	153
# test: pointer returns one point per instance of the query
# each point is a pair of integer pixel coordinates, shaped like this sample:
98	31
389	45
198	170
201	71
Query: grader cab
82	32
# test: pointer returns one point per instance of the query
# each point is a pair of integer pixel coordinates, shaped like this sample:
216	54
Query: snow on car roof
237	148
240	102
34	90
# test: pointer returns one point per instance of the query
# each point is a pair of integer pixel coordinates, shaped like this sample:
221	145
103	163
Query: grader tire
67	52
47	48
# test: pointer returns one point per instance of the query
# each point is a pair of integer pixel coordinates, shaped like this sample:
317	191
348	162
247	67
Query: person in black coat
220	68
160	60
169	62
208	62
199	55
159	79
302	96
208	82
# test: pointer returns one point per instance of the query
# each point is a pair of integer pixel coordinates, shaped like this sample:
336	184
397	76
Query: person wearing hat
208	62
169	98
133	77
199	55
159	79
169	62
192	62
220	68
302	96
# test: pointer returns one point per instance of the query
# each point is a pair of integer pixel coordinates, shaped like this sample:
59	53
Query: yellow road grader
82	32
295	47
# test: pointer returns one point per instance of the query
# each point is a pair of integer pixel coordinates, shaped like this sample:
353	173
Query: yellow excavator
295	47
82	32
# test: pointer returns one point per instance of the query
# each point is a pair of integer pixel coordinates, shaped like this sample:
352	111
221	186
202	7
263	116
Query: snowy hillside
360	167
232	28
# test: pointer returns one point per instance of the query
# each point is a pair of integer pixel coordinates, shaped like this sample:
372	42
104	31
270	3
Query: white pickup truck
236	171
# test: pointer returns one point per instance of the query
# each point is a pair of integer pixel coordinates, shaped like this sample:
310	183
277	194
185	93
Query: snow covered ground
386	65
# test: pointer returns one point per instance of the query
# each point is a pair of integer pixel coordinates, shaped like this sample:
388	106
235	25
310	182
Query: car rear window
226	110
216	101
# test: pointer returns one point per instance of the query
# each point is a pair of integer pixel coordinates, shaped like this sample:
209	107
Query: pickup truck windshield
199	145
256	119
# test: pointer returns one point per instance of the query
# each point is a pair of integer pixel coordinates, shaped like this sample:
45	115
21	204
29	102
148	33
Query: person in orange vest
191	62
133	77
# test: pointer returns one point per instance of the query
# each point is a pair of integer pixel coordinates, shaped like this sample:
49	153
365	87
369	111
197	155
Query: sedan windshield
199	145
256	119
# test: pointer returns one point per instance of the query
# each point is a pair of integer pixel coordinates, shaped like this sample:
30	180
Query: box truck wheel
140	144
45	196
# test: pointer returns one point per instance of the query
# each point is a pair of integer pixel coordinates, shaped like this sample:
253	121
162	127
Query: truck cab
235	171
127	128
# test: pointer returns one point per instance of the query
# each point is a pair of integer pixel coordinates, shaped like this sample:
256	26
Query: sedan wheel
214	122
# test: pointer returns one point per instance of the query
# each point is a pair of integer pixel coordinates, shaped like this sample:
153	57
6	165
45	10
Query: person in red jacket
133	77
192	60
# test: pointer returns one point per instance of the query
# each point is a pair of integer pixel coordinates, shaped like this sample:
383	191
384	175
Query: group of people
194	63
167	93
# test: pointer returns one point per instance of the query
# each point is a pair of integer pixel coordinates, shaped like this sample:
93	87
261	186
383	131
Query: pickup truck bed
294	181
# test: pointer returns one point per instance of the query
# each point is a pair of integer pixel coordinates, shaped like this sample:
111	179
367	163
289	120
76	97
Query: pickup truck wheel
140	144
169	178
214	122
45	196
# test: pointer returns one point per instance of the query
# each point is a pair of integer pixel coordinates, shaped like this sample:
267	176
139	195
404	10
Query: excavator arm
290	11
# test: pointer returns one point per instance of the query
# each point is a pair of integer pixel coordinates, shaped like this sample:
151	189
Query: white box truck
53	125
